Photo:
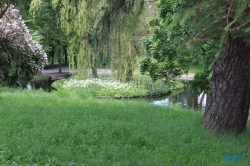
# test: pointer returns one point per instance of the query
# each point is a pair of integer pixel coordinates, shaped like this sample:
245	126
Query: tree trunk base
228	108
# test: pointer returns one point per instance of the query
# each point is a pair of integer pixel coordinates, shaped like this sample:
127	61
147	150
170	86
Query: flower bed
108	87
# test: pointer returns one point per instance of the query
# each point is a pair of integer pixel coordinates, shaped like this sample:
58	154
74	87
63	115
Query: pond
185	97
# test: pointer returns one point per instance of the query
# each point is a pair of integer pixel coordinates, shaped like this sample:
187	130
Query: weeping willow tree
75	19
92	27
117	33
100	28
126	51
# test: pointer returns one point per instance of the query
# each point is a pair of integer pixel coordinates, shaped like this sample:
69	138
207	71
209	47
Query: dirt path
186	77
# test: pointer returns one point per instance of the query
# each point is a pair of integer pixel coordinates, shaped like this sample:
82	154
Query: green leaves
188	32
164	59
200	83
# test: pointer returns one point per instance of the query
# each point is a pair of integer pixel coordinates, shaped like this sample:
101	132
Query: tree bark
94	68
129	75
59	51
60	63
129	70
65	55
228	108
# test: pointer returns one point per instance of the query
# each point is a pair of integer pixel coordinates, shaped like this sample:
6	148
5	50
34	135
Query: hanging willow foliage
113	35
75	20
90	25
100	28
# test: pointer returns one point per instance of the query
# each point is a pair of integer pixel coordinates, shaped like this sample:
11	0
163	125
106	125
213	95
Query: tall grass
65	128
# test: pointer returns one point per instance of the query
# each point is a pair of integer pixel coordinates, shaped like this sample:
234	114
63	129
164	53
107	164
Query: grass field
63	128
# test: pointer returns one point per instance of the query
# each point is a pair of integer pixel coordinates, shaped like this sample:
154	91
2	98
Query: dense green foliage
187	32
39	128
163	59
196	69
44	22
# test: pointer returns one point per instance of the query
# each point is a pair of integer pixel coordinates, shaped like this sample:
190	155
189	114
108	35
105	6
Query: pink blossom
16	43
15	33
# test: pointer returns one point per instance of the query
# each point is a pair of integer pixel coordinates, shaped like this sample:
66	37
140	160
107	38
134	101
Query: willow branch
237	28
202	33
229	10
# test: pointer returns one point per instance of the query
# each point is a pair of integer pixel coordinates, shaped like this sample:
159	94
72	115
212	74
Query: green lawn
63	128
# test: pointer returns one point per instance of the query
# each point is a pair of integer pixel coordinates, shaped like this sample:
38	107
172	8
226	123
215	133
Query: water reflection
188	99
42	85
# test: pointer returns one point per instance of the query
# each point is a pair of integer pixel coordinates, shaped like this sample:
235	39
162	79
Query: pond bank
53	74
184	98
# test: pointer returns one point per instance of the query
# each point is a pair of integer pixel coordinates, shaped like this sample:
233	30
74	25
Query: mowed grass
62	128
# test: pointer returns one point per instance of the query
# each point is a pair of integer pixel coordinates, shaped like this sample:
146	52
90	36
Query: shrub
20	56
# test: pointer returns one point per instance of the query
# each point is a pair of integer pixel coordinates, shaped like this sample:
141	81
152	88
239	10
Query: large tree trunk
228	108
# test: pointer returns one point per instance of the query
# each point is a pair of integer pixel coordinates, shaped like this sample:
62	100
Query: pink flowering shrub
20	56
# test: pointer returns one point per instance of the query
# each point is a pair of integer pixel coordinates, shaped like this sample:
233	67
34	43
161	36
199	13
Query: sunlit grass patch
196	69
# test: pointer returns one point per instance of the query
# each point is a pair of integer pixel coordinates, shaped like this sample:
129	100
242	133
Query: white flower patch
104	83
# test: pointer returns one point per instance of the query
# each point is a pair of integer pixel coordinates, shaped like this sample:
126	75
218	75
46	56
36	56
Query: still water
185	97
42	85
